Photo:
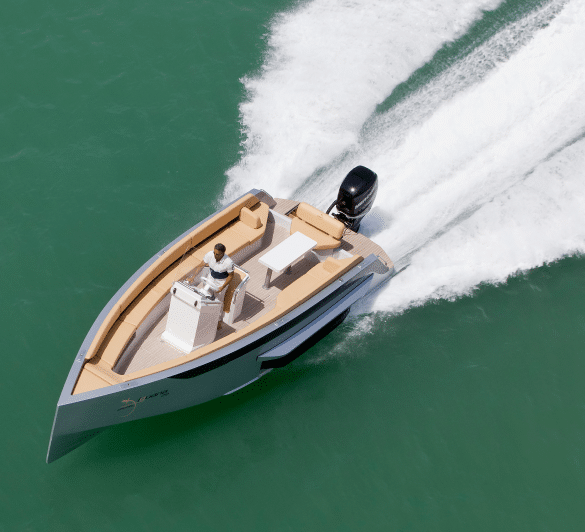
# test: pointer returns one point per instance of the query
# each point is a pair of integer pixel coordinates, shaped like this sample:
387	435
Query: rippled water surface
450	400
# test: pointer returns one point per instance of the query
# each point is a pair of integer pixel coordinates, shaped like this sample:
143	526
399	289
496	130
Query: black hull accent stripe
328	301
307	344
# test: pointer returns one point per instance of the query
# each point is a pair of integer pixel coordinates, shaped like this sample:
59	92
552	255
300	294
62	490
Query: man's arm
196	273
227	281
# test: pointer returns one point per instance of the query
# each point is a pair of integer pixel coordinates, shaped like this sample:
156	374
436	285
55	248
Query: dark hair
220	247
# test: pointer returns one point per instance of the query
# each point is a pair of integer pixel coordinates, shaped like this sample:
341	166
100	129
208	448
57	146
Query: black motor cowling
356	197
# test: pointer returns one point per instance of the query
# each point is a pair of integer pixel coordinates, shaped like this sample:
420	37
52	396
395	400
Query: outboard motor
356	197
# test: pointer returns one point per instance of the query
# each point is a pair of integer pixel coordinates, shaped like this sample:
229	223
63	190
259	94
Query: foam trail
329	64
382	136
536	221
492	182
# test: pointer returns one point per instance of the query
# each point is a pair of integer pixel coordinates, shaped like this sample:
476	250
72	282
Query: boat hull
80	417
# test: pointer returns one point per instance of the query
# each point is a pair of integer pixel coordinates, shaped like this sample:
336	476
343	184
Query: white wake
481	170
328	64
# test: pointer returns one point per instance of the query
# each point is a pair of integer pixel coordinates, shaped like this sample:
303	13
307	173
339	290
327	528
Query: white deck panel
288	251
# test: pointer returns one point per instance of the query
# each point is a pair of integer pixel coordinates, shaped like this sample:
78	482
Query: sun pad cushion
320	220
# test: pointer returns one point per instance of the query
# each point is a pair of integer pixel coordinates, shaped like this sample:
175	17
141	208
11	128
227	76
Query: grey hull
79	417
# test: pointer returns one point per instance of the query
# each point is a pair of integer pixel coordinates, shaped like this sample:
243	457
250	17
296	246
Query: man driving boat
221	269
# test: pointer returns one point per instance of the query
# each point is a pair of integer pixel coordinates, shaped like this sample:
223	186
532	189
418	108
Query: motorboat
166	340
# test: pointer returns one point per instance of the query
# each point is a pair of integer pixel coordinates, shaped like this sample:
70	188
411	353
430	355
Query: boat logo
131	404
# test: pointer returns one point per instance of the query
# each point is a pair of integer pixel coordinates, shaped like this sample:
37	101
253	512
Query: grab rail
242	284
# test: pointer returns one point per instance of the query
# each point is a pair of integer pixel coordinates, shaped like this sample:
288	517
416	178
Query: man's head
218	251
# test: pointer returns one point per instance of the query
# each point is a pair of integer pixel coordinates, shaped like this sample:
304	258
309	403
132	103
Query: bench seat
252	222
324	229
116	341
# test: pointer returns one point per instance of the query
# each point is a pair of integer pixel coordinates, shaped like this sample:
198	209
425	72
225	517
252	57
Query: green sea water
118	123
